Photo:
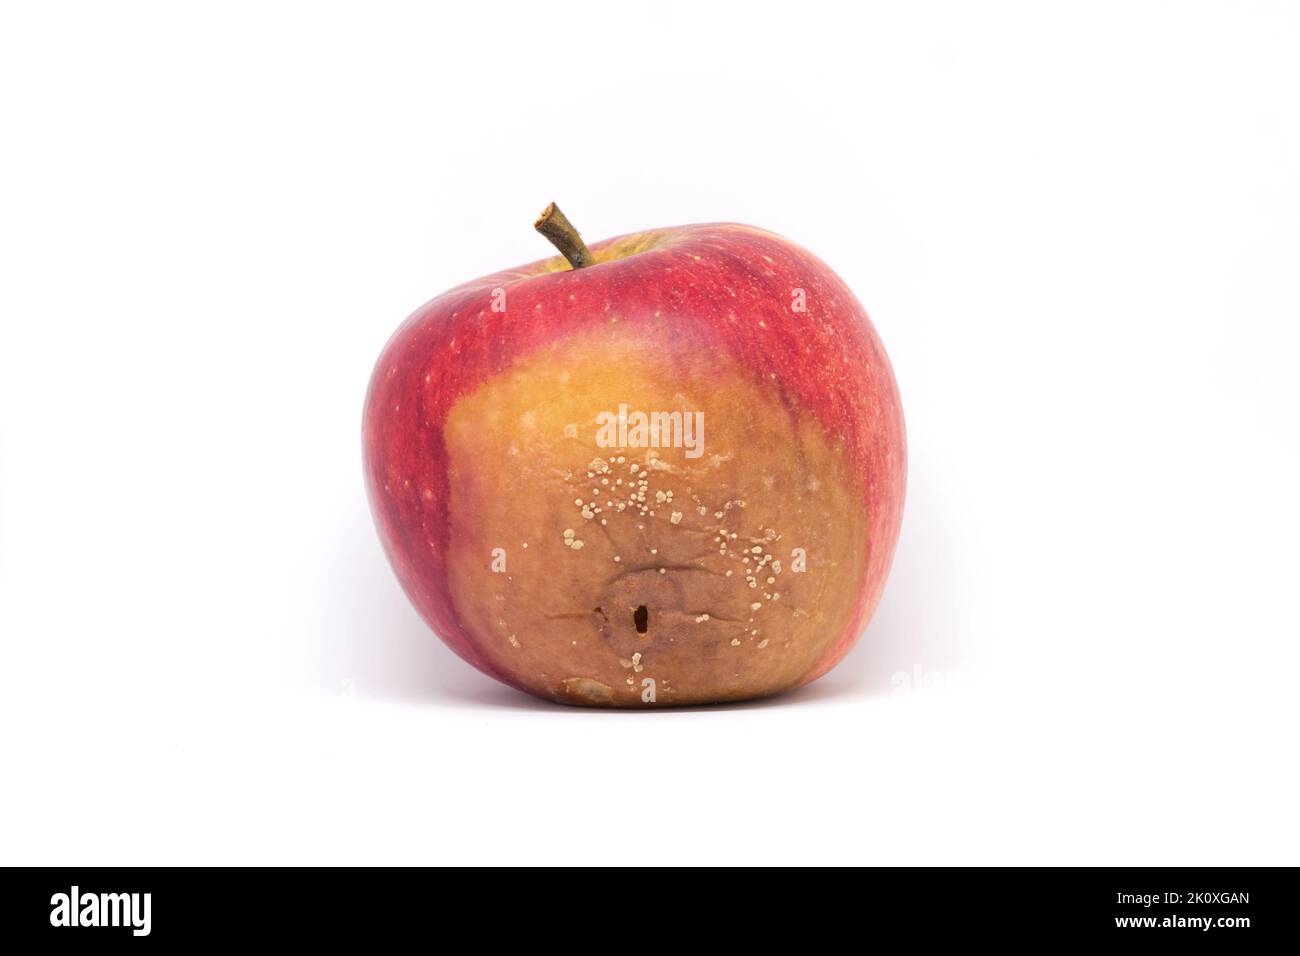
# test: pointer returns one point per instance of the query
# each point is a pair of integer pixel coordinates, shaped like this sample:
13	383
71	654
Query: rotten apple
665	469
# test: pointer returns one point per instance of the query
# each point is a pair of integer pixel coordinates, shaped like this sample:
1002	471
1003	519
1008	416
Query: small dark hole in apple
641	618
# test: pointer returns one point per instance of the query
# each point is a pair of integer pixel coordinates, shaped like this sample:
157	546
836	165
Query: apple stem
556	227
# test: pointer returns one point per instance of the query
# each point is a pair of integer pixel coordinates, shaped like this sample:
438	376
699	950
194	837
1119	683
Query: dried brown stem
556	227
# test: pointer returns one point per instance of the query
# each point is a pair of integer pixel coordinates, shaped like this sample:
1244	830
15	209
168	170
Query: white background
1077	229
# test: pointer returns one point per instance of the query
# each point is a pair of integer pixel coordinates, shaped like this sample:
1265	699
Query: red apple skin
657	305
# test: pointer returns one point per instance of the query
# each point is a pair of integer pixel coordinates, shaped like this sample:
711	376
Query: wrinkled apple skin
531	549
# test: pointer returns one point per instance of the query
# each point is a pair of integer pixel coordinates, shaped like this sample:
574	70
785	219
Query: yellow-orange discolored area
640	577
